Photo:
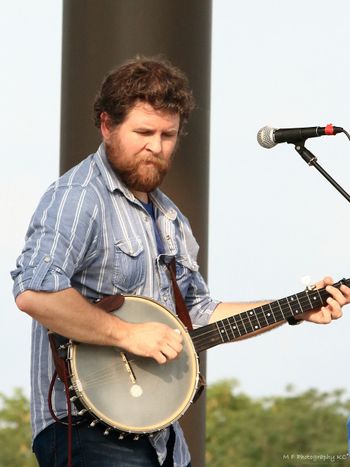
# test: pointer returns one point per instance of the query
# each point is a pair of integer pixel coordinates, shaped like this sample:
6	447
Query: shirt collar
113	183
163	203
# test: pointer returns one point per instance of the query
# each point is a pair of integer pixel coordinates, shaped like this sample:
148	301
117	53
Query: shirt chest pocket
129	265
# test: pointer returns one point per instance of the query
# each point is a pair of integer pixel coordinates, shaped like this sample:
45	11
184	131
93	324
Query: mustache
157	161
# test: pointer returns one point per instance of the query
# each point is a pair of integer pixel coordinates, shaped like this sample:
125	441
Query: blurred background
273	219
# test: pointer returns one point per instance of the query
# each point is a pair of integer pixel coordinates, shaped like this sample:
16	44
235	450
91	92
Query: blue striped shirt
89	232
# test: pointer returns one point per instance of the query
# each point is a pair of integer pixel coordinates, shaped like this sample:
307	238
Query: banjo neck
247	322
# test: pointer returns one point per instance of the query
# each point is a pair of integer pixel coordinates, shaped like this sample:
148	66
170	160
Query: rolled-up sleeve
62	236
199	302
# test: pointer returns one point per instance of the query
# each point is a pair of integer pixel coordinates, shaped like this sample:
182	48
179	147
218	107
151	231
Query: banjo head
131	393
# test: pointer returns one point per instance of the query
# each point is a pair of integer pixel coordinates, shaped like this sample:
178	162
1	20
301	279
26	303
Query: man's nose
154	144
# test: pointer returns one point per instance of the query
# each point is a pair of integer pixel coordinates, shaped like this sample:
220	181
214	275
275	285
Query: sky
273	219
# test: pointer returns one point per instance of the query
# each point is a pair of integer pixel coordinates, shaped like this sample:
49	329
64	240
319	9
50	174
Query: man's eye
144	132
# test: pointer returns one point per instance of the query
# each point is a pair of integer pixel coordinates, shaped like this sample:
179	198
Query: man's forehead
144	111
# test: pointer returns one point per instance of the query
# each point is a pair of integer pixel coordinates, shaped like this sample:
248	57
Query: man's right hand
155	340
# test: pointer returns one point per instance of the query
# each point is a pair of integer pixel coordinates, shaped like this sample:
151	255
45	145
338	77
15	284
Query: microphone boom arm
311	160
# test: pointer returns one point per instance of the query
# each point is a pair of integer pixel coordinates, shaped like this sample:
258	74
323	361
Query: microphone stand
311	159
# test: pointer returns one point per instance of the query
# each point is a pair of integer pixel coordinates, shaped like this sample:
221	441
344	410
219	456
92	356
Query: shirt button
47	259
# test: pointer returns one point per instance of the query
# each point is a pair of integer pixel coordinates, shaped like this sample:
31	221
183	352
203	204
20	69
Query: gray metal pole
97	36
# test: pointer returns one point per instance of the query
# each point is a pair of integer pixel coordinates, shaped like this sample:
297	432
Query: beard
139	172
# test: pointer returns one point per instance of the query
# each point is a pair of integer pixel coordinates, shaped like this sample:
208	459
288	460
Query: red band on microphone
329	129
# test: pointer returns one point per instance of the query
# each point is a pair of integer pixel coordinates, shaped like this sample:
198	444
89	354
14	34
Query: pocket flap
131	247
188	263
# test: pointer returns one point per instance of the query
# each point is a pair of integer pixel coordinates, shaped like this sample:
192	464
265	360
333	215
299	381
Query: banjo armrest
111	303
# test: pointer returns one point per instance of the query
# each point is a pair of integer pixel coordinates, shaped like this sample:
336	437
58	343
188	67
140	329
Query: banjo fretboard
247	322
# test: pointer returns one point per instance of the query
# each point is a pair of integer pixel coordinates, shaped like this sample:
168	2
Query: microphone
268	137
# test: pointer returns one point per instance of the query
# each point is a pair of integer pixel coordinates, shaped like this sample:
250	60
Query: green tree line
309	428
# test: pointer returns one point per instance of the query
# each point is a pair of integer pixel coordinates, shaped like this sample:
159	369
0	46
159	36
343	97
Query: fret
246	322
308	297
290	308
270	315
279	302
254	319
301	306
322	299
249	314
235	325
240	323
294	304
315	299
231	329
264	316
219	330
257	320
226	324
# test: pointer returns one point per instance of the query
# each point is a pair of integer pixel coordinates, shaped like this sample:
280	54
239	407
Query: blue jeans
90	448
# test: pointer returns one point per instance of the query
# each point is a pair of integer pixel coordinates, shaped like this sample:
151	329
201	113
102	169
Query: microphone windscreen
265	137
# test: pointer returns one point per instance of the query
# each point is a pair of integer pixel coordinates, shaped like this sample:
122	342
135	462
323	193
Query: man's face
140	149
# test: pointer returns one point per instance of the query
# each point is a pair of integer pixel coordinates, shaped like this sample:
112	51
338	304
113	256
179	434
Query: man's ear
106	125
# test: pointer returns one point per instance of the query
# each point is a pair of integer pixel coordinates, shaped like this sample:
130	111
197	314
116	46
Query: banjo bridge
128	367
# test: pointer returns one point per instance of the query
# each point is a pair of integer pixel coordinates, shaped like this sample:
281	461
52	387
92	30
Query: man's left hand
333	310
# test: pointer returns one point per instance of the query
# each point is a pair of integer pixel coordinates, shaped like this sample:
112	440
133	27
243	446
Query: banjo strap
61	371
181	308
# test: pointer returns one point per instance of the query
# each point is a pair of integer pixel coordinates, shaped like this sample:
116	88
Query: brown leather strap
181	308
60	362
111	302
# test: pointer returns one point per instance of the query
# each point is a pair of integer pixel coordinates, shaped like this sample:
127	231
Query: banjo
136	395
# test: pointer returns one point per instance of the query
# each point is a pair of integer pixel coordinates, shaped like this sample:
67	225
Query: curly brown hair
152	80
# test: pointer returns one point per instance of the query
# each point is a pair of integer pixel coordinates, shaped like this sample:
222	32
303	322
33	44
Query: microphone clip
305	153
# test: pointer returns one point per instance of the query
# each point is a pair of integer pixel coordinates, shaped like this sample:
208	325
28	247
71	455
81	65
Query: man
105	228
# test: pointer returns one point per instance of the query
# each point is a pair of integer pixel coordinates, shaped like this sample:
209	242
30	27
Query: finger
328	280
169	352
334	308
174	346
178	336
346	292
336	294
324	282
175	341
326	316
160	358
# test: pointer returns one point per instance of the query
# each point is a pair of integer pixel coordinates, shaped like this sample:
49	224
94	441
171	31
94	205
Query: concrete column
97	36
